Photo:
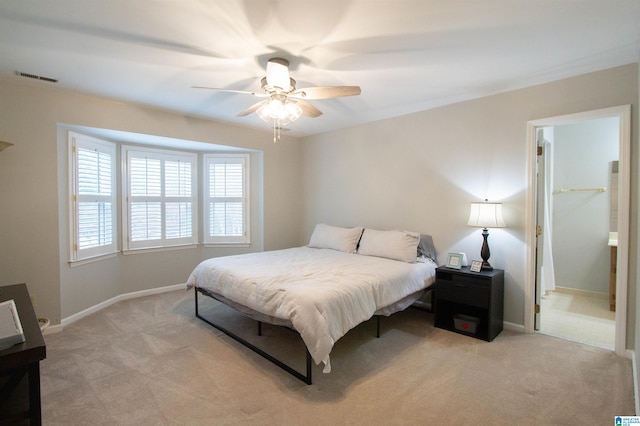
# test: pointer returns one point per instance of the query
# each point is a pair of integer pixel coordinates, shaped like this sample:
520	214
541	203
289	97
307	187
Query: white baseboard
580	292
52	329
513	326
100	306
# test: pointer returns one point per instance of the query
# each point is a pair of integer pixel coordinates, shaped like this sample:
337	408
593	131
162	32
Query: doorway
582	269
577	215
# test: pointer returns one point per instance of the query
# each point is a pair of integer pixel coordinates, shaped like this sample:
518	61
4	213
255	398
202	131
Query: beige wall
416	172
33	222
420	172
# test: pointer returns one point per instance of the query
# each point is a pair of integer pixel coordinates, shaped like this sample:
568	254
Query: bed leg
378	326
195	290
308	378
259	328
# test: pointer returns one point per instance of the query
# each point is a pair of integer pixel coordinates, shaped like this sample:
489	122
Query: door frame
623	113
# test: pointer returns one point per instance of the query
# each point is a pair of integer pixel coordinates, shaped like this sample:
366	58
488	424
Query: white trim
74	263
623	112
158	249
512	326
580	292
100	306
530	233
52	329
228	245
634	368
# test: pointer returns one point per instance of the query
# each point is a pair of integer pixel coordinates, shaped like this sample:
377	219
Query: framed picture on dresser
454	260
476	266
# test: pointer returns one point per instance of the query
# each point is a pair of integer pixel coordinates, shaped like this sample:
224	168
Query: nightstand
469	303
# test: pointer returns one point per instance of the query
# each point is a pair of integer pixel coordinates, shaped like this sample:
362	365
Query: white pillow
396	245
335	238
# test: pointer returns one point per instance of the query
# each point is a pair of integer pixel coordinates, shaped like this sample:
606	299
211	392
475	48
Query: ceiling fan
284	102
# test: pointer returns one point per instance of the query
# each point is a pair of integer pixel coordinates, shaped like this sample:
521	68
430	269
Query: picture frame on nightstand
476	266
454	260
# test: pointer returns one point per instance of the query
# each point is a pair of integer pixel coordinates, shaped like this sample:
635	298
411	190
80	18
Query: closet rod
561	190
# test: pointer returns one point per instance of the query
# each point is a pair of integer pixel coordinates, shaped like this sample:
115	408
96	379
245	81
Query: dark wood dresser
20	364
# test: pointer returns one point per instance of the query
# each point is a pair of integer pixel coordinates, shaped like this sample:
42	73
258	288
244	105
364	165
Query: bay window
159	198
226	199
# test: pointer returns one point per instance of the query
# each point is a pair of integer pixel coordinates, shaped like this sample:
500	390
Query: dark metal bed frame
305	378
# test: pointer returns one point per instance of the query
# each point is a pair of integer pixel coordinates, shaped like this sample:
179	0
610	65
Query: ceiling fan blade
278	73
244	92
308	109
252	108
326	92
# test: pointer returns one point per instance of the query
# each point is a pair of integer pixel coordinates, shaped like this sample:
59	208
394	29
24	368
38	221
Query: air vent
36	77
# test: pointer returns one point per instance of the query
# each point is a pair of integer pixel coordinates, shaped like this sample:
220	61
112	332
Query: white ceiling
406	55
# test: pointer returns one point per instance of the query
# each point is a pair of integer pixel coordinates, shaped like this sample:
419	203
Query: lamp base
484	252
486	266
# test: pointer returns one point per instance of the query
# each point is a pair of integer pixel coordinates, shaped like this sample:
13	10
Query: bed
343	277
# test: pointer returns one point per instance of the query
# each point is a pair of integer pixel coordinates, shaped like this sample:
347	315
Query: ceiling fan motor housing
268	89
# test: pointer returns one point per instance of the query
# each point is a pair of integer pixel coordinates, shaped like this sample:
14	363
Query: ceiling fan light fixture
281	110
263	113
293	111
278	74
280	122
276	109
282	102
272	109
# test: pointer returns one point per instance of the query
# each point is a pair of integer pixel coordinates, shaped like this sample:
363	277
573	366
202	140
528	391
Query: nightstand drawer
456	276
459	292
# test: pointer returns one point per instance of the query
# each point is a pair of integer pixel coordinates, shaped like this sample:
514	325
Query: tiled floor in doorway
579	318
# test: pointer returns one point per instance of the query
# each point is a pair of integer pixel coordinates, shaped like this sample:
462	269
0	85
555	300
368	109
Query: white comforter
323	293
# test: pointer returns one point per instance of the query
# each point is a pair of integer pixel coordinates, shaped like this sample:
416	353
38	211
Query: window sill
80	262
242	245
158	249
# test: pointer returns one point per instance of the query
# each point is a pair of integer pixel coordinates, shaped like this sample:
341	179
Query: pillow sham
396	245
426	248
335	238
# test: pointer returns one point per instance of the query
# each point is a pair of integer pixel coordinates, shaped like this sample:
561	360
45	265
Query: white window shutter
160	192
93	199
227	206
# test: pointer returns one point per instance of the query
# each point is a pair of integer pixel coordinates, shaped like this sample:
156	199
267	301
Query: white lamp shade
486	215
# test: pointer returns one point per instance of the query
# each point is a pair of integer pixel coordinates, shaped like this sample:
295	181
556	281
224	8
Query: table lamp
486	215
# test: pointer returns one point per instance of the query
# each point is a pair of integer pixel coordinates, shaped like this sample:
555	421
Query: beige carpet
149	361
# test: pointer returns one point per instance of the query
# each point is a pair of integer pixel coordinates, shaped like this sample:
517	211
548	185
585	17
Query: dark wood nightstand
465	300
